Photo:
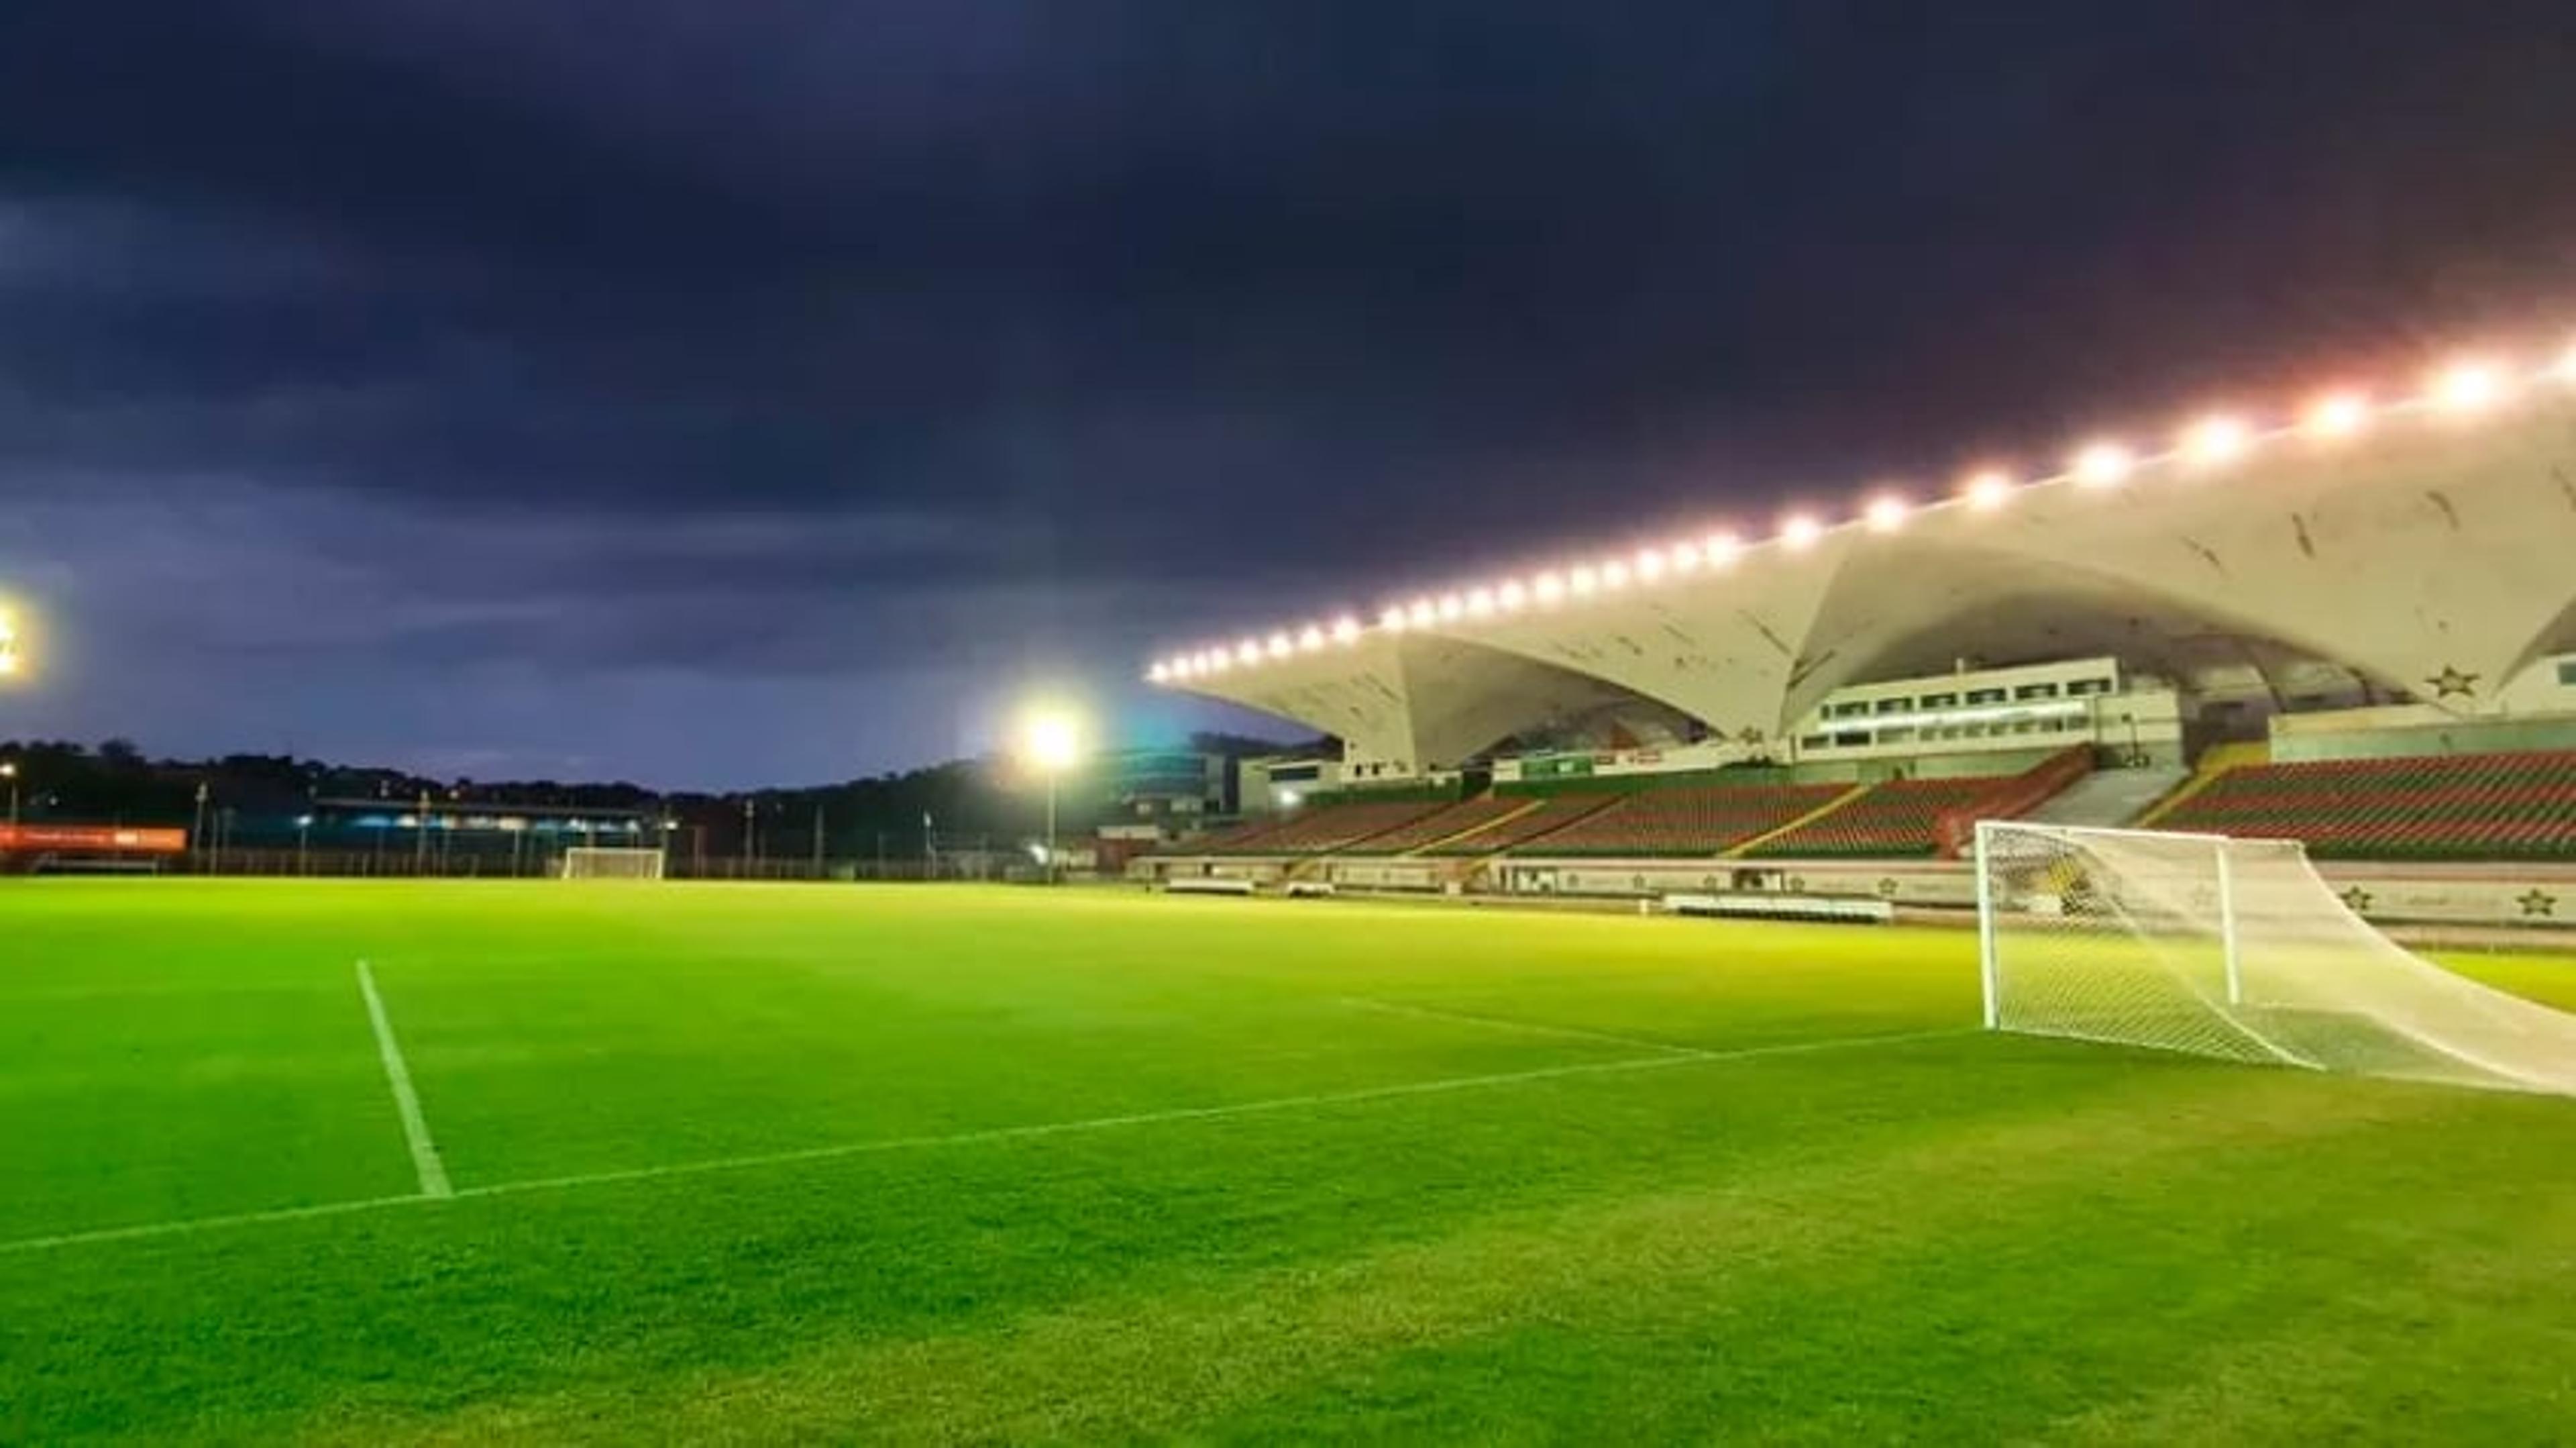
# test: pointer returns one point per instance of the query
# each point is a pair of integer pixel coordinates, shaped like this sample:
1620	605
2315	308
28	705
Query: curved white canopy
2434	554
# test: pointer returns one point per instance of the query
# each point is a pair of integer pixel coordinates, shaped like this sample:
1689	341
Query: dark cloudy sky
742	391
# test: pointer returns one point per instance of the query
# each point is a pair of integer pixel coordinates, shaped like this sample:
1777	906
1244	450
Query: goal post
2233	948
603	862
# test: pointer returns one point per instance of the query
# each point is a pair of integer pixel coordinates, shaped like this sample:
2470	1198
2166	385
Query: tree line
262	797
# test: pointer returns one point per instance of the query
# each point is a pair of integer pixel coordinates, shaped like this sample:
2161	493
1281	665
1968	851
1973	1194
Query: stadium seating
2462	806
1320	829
1552	813
1901	817
1916	817
1699	819
1238	840
1431	829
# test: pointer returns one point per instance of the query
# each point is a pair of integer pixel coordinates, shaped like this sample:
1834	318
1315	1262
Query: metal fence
997	867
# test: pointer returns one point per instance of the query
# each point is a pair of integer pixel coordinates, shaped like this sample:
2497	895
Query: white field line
1529	1028
988	1134
189	1225
424	1152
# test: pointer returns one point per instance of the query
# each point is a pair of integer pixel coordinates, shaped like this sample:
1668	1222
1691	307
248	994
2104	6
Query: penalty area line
415	1125
971	1138
1506	1023
190	1225
1440	1086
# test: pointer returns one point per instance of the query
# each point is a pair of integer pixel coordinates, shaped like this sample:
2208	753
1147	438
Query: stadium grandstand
2353	626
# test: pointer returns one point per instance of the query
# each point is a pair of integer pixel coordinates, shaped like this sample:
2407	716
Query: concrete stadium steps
2217	760
2517	806
2109	798
1745	846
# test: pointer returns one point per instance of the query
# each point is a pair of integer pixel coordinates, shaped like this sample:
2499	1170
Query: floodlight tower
12	664
1050	743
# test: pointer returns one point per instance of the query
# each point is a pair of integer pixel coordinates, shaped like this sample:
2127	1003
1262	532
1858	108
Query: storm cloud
750	392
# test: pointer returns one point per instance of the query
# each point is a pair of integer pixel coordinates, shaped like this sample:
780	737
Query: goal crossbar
609	862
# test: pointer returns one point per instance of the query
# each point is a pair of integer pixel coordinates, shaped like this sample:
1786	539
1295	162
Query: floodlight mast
1050	742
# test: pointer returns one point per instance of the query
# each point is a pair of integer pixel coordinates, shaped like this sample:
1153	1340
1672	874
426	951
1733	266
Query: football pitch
549	1162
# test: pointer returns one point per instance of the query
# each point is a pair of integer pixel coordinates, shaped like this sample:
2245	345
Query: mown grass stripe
840	1150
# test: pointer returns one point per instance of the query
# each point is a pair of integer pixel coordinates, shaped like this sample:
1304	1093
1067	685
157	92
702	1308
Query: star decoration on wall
2453	681
2537	901
2357	900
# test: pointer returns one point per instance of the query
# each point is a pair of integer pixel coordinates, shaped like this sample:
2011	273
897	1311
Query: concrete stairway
2109	798
2215	761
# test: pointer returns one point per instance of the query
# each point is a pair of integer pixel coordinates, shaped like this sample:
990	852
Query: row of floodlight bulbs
2465	387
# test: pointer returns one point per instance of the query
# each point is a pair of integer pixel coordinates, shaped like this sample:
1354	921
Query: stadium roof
2428	544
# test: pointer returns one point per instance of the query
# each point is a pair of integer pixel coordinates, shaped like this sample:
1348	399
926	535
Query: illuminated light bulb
1547	588
2103	464
2468	387
1799	530
1310	638
1614	574
1480	602
1685	557
1248	652
1392	620
1281	646
1650	565
1987	491
1218	661
1719	549
1421	613
2214	440
1580	582
1511	596
2566	368
1451	605
1158	673
1346	630
2338	414
1886	513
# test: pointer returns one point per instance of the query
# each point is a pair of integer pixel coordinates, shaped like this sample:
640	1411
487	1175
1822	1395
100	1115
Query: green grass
1334	1172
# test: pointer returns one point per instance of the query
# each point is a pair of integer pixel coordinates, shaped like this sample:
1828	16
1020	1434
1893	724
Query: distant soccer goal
596	862
2237	949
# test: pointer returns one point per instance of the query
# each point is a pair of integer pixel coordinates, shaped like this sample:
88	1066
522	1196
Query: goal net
2237	949
595	862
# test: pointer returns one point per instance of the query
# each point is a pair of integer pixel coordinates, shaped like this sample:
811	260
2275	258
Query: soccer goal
2237	949
600	862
